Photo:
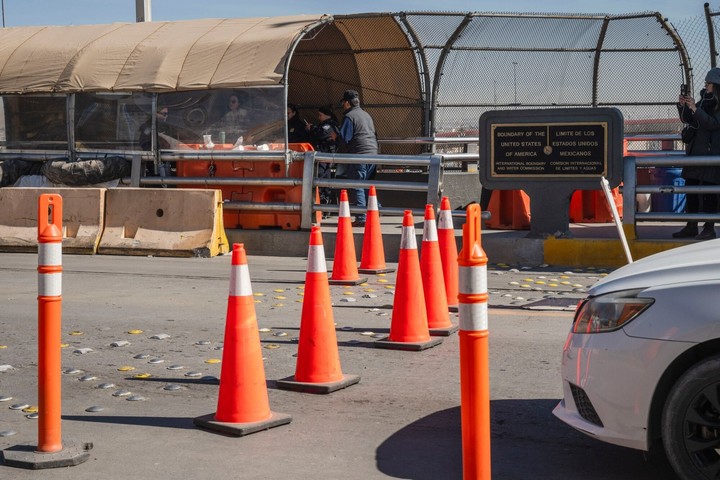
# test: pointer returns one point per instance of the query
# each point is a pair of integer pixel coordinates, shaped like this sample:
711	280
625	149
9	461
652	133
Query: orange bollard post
372	259
448	253
50	452
317	368
243	407
49	323
474	367
408	326
432	278
345	271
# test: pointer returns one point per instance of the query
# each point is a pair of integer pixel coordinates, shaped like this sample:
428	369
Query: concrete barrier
163	222
82	221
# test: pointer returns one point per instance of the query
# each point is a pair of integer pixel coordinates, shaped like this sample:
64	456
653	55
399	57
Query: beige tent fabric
150	56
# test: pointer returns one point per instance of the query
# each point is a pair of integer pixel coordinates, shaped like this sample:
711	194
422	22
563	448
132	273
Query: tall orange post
474	367
50	451
49	322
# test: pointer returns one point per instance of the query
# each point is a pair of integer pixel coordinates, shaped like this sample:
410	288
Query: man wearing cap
357	135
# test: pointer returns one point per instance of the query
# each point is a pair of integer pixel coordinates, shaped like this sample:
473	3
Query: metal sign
574	146
576	149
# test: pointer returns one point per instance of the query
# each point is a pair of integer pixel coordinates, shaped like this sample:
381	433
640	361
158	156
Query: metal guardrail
664	159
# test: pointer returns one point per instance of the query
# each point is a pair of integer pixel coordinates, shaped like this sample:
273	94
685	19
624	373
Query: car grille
584	405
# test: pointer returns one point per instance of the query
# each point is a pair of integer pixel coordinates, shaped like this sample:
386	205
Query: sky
76	12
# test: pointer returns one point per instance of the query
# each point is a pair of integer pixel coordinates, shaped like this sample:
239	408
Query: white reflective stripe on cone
50	254
408	240
240	281
473	316
372	202
50	284
344	209
472	279
316	259
430	231
445	220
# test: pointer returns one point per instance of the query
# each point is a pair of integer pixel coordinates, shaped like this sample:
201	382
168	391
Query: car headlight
609	312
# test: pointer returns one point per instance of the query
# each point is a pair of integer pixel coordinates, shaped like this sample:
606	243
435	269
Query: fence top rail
644	137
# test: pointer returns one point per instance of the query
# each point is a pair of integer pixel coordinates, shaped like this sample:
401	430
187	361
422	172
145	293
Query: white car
641	364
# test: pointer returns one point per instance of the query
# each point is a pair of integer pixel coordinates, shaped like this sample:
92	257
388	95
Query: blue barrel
667	202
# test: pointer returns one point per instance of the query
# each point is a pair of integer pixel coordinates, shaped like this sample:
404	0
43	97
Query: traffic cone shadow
345	271
372	259
318	360
243	406
409	324
432	277
448	253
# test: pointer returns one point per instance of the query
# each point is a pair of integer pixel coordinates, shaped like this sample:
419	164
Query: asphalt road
401	421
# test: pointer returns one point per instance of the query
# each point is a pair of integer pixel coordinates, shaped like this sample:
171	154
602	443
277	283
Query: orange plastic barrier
254	194
510	210
590	206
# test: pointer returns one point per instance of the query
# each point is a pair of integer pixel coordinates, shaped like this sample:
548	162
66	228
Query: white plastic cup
208	141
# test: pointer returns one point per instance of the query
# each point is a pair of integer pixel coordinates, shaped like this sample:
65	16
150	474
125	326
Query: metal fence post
629	203
308	196
435	178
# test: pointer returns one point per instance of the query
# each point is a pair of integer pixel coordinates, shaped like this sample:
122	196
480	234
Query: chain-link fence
430	74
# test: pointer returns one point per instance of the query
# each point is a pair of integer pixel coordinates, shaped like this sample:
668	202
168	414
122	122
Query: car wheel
691	422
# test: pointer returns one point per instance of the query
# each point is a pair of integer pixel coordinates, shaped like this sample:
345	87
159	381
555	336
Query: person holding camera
701	137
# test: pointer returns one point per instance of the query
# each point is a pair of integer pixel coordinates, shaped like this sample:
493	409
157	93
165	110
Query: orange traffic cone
448	253
345	270
318	362
432	278
373	253
408	327
243	406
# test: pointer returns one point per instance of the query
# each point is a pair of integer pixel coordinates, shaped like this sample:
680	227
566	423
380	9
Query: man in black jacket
357	135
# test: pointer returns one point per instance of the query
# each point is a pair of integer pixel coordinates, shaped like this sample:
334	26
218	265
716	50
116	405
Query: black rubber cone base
375	271
26	456
444	332
348	282
410	346
290	383
208	422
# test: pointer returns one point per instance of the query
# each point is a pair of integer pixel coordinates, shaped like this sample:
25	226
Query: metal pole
3	12
143	11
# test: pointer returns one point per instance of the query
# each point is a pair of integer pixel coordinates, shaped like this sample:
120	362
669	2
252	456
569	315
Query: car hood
696	262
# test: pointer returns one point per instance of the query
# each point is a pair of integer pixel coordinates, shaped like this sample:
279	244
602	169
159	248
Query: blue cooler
667	202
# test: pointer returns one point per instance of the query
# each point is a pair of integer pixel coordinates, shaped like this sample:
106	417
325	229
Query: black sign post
549	154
